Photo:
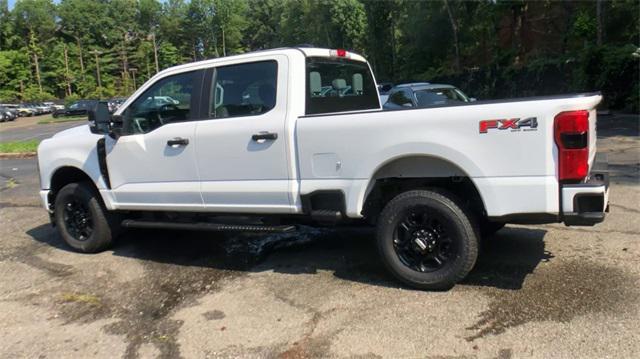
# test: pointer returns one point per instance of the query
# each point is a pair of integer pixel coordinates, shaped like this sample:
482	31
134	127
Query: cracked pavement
536	291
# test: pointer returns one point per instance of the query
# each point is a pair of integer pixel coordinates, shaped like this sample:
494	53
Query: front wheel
82	220
427	240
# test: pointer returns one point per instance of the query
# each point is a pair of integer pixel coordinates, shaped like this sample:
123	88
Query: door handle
265	136
178	141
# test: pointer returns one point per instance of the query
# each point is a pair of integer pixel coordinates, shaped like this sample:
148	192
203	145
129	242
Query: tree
454	31
35	21
498	47
263	26
15	74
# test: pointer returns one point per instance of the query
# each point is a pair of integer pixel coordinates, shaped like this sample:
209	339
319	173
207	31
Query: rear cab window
339	85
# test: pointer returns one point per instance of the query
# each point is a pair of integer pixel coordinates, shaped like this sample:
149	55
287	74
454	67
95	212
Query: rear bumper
586	204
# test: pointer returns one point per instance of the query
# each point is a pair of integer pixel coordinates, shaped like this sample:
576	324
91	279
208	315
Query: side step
205	226
326	216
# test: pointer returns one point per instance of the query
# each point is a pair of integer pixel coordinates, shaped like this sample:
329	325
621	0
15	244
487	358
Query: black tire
450	232
78	206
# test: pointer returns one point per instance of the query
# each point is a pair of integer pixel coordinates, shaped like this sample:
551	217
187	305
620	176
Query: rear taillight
571	132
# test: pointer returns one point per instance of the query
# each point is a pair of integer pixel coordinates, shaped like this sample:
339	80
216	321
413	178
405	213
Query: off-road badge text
513	124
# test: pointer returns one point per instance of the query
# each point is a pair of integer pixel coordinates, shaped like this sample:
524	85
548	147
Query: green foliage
71	99
489	48
584	25
19	146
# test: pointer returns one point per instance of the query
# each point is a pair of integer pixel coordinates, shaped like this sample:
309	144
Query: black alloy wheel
77	219
421	240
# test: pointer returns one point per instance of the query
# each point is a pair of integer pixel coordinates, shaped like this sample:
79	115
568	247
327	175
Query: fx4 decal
514	124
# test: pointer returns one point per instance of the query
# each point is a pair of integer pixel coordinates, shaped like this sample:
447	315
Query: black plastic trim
527	218
102	161
206	226
307	201
195	113
584	202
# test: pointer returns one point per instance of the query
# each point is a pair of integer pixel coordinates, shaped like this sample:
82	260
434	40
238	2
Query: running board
326	216
204	226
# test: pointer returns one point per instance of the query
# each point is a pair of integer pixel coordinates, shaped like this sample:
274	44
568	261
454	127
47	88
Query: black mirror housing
99	118
115	126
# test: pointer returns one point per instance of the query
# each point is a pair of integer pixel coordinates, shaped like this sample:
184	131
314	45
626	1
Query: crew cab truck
256	142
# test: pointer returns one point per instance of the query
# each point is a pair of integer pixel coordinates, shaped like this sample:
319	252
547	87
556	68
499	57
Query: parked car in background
53	106
8	114
37	110
16	108
78	108
44	109
424	94
25	111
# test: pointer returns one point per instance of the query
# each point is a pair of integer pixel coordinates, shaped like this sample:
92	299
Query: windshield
439	96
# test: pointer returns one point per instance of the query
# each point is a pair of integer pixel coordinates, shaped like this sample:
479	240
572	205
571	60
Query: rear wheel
427	240
82	220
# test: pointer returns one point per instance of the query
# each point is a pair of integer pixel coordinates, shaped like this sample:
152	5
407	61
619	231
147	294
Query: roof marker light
339	53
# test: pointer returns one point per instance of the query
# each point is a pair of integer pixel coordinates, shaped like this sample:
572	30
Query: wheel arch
64	175
418	171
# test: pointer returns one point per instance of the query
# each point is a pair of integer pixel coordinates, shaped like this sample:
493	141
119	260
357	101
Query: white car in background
424	94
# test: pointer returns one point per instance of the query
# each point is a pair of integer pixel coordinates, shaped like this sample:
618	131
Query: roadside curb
5	156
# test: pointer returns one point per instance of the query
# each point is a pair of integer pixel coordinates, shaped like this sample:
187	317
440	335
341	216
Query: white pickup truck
267	140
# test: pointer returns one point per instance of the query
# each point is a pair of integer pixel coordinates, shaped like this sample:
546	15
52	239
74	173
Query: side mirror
472	99
99	118
115	126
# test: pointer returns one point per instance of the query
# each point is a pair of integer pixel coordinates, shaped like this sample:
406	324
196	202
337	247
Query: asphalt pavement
536	291
27	128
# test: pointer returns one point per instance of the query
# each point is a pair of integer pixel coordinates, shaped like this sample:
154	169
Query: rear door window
339	85
244	90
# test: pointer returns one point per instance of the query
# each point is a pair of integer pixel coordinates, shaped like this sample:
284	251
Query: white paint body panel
515	172
146	173
222	170
238	174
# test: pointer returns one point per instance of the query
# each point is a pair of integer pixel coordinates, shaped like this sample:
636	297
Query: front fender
69	151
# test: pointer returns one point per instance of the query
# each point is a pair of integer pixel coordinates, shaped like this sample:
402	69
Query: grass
11	183
81	298
19	146
49	119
